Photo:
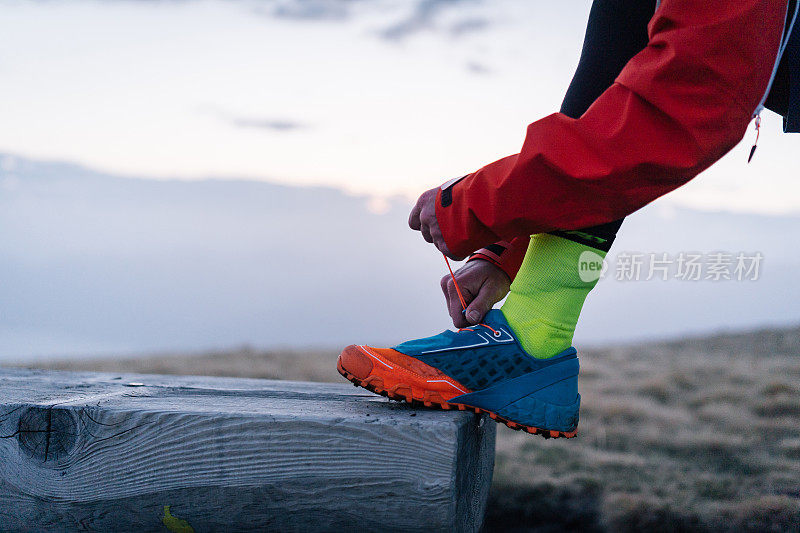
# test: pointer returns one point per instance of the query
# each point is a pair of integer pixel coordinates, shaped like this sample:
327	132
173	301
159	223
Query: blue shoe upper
504	379
477	357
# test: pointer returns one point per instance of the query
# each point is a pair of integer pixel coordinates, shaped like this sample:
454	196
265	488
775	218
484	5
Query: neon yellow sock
547	295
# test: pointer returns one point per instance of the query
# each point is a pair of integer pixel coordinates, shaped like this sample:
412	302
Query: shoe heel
546	408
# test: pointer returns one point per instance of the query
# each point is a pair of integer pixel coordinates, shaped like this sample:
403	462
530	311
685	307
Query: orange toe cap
355	361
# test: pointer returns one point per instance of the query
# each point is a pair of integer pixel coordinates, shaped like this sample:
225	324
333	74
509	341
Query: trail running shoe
482	368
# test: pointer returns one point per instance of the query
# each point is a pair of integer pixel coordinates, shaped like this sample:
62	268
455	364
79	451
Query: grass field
699	434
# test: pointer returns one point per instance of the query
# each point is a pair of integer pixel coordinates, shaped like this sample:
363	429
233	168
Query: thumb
478	307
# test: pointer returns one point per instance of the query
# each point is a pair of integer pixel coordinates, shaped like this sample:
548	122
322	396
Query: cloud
313	10
423	14
423	17
478	68
277	124
467	26
280	125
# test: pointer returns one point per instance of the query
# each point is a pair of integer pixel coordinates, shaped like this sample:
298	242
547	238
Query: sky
94	264
376	97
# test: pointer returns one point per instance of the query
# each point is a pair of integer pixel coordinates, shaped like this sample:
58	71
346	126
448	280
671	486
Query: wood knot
47	433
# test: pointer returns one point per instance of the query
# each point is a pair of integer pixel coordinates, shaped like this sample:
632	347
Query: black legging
616	31
778	98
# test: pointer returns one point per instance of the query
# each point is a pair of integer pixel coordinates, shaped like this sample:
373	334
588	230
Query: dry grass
692	435
244	362
699	434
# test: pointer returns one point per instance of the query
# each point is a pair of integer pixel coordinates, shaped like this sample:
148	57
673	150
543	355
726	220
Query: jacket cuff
461	230
508	256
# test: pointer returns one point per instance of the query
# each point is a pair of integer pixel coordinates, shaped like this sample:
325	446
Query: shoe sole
423	398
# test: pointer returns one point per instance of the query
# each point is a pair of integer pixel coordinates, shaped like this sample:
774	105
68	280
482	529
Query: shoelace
464	302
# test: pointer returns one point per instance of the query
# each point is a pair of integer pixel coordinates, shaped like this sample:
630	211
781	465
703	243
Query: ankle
538	337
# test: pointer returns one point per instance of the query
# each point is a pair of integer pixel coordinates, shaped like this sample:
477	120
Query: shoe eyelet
497	333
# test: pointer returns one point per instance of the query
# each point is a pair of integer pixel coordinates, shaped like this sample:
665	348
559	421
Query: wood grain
108	452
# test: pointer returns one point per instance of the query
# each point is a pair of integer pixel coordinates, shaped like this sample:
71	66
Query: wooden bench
134	452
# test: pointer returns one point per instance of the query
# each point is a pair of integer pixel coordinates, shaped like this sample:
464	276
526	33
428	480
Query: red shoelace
463	301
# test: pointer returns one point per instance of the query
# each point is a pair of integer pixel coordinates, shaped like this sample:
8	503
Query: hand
482	283
423	219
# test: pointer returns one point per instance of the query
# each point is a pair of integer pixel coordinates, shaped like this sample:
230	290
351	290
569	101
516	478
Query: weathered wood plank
110	451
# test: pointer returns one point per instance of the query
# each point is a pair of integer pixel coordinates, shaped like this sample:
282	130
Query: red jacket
676	108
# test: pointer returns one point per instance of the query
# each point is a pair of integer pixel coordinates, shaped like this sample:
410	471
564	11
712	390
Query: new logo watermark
591	266
683	266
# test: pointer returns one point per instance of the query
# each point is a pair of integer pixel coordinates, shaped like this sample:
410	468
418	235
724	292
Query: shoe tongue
495	317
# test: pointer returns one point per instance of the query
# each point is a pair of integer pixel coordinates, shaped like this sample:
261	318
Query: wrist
477	256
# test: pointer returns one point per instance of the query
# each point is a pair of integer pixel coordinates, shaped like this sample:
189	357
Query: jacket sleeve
676	108
508	256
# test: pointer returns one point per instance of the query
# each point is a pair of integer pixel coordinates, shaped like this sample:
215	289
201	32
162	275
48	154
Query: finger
454	306
438	239
479	306
426	233
413	218
453	303
443	284
439	242
442	247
